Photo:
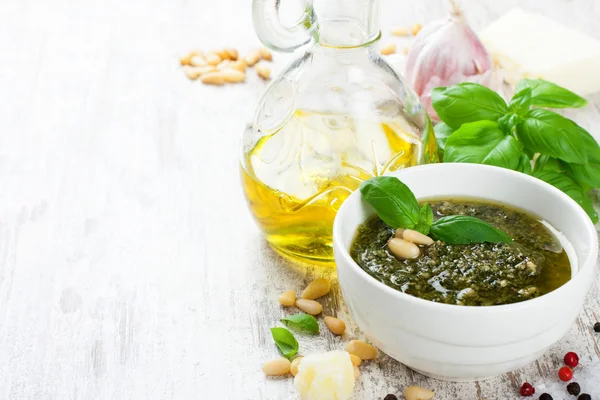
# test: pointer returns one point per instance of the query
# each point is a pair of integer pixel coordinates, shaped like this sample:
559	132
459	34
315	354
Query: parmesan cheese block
527	45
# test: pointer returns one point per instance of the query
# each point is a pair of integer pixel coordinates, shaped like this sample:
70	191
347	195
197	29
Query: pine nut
336	326
263	72
234	76
356	372
252	58
355	360
309	306
418	393
213	78
315	289
232	53
401	31
213	59
403	248
295	364
224	65
413	236
191	72
361	349
185	60
265	54
198	61
278	366
287	299
389	49
222	54
416	28
240	65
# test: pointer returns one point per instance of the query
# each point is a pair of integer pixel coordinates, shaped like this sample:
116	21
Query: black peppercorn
597	327
573	388
584	396
545	396
390	397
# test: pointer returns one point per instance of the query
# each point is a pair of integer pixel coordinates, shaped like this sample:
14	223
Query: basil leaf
464	229
442	133
392	200
586	174
547	163
425	219
467	102
302	322
524	164
521	101
287	343
483	143
571	188
508	123
546	132
548	94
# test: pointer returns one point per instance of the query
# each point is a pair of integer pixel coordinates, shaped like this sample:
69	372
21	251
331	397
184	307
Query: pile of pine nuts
405	243
223	66
403	31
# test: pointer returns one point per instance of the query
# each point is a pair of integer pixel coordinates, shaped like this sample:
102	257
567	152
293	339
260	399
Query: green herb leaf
392	200
508	123
442	133
521	101
287	343
546	132
571	188
548	94
464	229
425	219
483	142
467	102
547	163
524	165
302	322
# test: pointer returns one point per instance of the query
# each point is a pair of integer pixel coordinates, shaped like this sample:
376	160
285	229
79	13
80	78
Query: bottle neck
347	23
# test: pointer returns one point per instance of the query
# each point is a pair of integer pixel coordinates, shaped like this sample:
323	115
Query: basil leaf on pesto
287	343
425	219
464	229
302	322
392	200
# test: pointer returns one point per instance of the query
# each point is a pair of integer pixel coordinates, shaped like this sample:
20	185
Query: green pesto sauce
474	275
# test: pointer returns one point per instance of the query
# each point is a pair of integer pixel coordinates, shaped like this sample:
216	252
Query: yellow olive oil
296	178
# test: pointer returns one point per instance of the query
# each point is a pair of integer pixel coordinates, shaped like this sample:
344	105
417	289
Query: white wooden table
129	265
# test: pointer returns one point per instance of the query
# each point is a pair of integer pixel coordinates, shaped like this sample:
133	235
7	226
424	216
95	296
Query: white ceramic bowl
467	343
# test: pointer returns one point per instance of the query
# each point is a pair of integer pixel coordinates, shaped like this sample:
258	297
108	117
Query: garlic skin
447	52
325	376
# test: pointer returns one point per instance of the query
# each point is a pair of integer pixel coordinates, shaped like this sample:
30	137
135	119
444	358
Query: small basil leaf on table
442	133
467	102
548	94
571	188
302	322
464	229
546	132
392	200
521	101
524	164
483	142
425	219
287	343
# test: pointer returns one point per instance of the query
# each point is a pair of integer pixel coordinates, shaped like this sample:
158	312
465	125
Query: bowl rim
584	219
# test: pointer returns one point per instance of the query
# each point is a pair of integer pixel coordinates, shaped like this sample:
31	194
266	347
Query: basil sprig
302	322
397	206
479	127
287	343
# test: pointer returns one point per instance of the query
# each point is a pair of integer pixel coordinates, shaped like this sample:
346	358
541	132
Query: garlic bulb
446	52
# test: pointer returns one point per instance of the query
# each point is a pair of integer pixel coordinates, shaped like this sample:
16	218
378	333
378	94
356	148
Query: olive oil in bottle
296	178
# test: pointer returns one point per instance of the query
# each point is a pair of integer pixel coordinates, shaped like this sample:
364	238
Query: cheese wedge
528	45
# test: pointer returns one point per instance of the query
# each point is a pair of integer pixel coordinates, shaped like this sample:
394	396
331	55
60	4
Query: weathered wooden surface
129	265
